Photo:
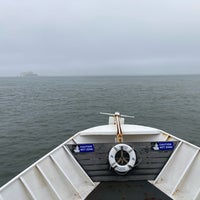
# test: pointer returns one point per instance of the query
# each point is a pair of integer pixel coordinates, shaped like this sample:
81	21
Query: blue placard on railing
163	146
81	148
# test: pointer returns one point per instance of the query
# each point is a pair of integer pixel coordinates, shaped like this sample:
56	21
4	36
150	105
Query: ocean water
39	113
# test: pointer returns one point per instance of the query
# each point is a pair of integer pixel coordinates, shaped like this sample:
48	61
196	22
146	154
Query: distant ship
28	74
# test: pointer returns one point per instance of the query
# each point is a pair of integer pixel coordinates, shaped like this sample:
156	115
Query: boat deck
58	175
138	190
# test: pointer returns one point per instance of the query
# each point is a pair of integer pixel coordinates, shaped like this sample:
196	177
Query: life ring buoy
122	165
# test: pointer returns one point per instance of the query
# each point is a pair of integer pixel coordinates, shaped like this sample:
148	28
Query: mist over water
39	113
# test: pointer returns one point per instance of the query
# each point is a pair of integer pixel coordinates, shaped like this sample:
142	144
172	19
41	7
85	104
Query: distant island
28	74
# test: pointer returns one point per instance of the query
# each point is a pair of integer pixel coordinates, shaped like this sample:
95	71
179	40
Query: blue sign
163	146
80	148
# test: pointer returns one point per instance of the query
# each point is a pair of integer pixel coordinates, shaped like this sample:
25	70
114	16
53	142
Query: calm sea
37	114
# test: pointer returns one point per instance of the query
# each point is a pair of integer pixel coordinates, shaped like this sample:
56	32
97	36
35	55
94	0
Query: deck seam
27	188
66	177
48	182
181	179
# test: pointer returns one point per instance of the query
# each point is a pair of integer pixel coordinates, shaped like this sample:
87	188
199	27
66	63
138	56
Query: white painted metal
116	114
178	179
49	182
16	190
56	176
27	188
59	176
126	128
191	184
197	196
181	178
112	120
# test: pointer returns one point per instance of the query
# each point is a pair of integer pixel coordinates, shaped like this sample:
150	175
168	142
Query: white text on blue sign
86	147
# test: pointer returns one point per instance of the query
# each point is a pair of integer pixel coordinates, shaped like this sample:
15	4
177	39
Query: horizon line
138	75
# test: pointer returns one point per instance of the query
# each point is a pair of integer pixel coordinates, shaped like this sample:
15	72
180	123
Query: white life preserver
122	169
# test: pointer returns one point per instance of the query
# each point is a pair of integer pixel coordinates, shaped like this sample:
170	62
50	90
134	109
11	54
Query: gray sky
99	37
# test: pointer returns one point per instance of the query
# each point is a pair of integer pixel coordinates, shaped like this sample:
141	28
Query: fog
64	38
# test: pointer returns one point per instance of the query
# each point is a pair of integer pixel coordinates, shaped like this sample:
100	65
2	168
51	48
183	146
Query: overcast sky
99	37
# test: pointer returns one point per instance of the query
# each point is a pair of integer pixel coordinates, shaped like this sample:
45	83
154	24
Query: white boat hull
58	175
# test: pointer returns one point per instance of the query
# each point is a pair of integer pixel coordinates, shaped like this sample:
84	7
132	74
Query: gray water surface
39	113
